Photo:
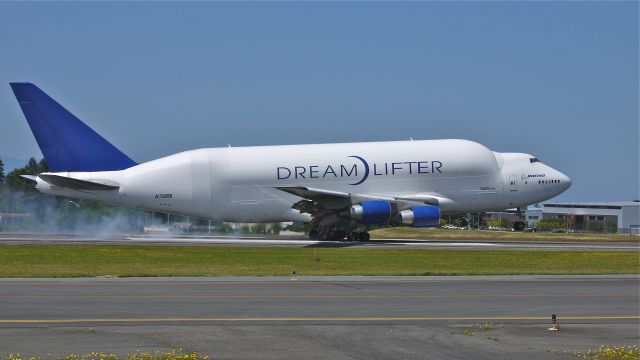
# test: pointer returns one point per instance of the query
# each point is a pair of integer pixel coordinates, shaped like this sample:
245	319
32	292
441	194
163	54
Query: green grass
470	330
612	352
446	234
99	260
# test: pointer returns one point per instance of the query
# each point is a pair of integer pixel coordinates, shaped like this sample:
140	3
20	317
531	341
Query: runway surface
204	240
318	317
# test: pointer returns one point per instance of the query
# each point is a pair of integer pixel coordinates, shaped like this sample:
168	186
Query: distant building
533	215
507	217
623	216
11	219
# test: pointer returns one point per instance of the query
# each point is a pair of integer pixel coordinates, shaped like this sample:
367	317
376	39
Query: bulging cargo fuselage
241	184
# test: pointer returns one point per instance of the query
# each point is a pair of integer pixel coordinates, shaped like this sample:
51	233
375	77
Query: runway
232	240
320	317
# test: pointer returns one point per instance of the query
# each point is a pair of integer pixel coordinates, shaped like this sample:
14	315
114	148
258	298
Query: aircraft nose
565	181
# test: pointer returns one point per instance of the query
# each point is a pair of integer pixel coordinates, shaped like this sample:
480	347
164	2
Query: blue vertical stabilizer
65	141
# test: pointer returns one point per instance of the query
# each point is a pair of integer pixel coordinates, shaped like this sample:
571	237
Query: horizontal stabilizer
75	184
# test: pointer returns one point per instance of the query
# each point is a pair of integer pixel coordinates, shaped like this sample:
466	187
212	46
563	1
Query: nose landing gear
520	224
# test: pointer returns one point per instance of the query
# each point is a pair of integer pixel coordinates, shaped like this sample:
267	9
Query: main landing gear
358	236
338	235
520	224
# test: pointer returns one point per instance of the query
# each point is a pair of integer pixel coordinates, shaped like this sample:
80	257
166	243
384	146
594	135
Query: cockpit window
532	160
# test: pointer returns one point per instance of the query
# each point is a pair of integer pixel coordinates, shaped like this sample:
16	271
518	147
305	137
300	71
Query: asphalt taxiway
223	240
322	317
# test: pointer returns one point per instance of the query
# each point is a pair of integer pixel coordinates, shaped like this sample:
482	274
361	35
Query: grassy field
445	234
97	260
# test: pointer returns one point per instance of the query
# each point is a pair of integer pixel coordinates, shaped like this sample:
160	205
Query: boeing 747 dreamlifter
339	188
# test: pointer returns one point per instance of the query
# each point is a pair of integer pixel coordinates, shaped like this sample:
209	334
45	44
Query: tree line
26	209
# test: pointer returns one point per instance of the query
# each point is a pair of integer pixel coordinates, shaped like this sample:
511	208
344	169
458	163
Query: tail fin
66	142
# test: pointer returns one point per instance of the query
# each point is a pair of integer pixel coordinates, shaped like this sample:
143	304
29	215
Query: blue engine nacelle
371	212
420	216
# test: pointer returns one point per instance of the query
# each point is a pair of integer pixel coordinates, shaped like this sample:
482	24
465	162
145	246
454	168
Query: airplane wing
318	201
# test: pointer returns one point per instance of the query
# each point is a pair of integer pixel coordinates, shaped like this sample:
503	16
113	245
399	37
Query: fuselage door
513	183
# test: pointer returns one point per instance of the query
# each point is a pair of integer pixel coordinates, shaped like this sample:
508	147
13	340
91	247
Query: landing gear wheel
313	234
336	235
518	226
364	236
323	235
353	236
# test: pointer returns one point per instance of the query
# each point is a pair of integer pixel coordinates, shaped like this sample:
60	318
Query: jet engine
383	212
420	216
371	212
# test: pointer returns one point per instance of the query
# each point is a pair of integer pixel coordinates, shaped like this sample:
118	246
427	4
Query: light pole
66	209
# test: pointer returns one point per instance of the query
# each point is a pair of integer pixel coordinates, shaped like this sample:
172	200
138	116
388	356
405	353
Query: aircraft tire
364	236
352	236
338	235
518	226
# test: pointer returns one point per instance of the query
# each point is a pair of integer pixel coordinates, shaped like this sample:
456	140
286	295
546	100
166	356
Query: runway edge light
554	323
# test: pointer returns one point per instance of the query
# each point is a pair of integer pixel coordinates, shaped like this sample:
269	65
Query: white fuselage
239	184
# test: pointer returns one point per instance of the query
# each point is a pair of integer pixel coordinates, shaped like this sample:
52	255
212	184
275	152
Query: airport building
11	219
622	217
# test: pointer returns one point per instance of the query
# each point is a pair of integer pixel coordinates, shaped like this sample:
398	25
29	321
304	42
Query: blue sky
555	79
